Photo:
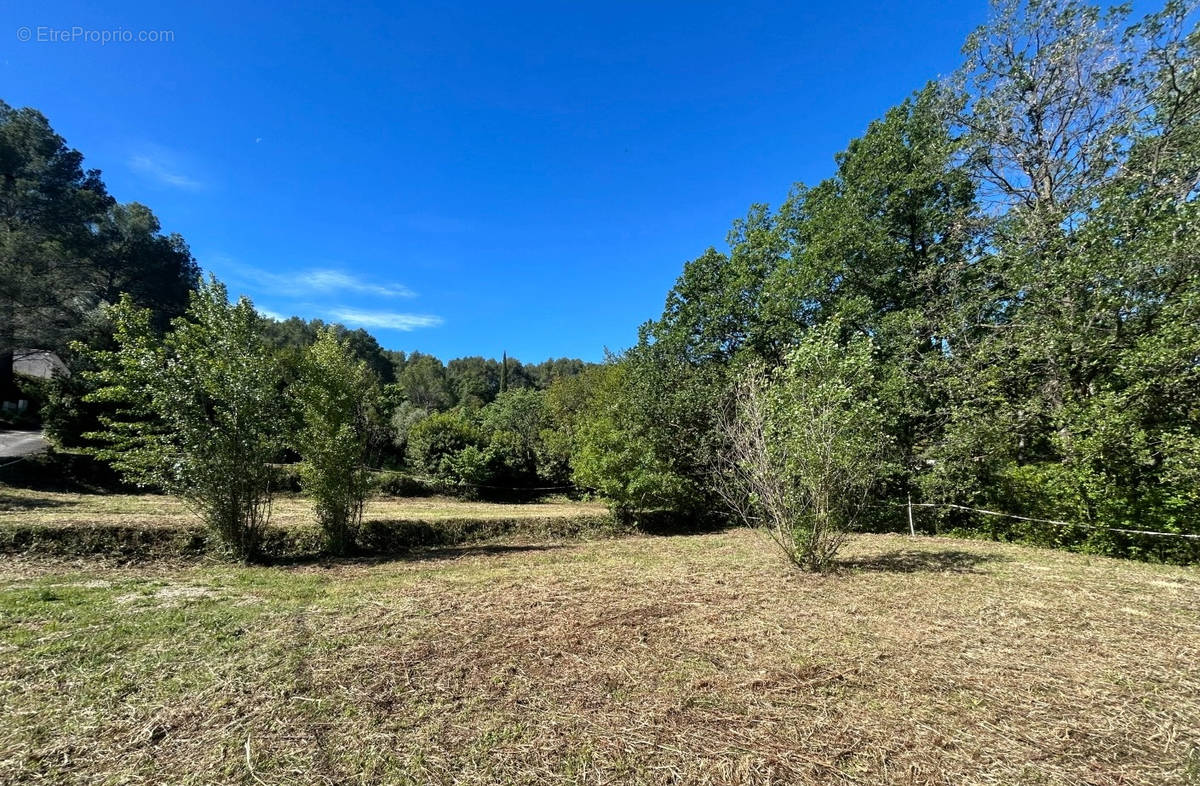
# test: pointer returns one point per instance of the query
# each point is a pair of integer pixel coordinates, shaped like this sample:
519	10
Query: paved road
21	443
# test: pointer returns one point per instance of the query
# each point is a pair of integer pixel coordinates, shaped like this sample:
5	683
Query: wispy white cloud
312	291
159	167
313	281
269	314
383	319
337	281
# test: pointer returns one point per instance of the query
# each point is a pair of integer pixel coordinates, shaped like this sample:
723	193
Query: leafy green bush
805	446
517	453
336	397
612	455
198	413
435	445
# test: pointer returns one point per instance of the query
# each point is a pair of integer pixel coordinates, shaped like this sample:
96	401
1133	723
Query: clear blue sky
469	178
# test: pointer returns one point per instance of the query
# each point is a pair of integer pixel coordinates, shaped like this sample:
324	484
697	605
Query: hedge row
378	538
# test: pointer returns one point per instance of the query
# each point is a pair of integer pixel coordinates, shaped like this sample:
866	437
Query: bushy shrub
434	445
198	413
612	455
336	396
804	446
514	423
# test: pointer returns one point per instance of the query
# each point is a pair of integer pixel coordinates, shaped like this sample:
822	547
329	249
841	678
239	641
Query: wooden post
911	530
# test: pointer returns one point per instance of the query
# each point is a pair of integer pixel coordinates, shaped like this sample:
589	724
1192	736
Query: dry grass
696	659
288	510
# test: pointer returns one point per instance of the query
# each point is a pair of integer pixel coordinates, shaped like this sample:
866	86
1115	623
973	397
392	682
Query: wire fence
1125	531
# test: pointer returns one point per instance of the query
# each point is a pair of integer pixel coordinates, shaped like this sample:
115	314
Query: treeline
993	303
1004	270
475	425
215	408
423	379
409	388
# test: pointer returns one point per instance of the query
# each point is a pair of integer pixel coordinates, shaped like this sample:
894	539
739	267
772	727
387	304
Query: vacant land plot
687	659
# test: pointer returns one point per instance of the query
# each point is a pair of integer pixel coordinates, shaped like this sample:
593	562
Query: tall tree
886	247
423	383
1083	131
134	257
49	208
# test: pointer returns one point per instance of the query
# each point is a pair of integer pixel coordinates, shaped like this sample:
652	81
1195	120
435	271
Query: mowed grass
685	659
288	510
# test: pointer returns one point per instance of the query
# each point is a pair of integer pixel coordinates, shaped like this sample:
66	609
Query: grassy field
148	526
288	511
684	659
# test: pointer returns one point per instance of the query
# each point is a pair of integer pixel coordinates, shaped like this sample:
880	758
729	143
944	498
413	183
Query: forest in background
993	302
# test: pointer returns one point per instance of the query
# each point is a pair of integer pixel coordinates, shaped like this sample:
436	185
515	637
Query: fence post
911	530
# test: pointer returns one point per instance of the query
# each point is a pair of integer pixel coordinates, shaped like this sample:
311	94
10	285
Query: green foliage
48	204
336	396
999	284
499	447
514	423
435	445
611	454
199	412
474	380
824	417
292	335
564	403
422	382
67	249
804	447
404	417
1020	244
1071	378
880	248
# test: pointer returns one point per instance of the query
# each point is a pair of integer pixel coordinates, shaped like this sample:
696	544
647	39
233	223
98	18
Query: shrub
336	396
434	445
514	423
804	447
198	413
612	454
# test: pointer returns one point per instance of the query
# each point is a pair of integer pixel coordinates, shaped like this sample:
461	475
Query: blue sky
469	178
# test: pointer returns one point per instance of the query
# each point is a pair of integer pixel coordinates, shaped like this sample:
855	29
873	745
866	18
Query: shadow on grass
666	523
920	561
71	473
12	502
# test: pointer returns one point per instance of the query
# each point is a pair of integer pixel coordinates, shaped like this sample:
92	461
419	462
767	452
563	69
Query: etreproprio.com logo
77	34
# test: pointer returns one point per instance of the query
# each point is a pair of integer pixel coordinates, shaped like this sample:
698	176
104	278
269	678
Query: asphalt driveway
21	443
